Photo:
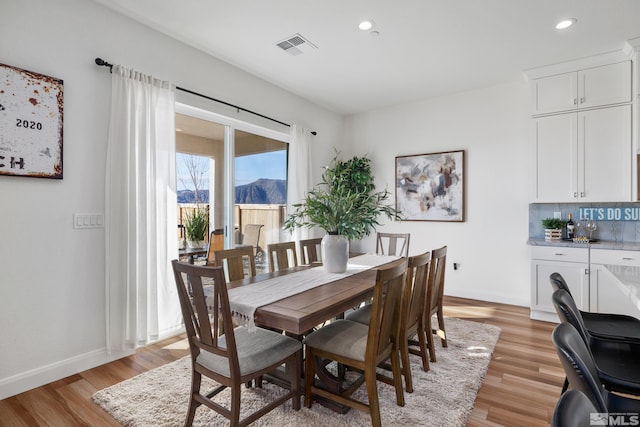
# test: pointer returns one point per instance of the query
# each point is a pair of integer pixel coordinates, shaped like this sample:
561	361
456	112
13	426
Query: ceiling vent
295	45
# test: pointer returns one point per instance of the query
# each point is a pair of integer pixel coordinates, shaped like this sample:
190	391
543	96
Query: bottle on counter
571	228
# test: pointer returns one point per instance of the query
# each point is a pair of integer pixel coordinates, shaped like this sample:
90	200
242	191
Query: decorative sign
30	124
610	214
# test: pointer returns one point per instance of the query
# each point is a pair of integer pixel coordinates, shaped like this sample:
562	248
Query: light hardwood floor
521	387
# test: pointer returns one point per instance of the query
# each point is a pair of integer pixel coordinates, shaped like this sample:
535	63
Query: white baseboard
42	375
483	295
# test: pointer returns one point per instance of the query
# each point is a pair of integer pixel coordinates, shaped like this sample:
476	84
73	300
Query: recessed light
565	23
366	25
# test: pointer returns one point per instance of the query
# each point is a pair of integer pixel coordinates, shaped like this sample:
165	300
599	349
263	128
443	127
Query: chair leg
423	348
441	326
397	377
430	343
295	372
193	405
309	374
406	365
235	405
372	395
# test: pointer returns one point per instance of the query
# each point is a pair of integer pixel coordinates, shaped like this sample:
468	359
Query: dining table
322	296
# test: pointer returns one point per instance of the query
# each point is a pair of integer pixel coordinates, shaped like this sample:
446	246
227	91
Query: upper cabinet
588	88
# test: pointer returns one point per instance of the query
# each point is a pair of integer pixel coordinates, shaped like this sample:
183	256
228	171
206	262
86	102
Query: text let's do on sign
610	214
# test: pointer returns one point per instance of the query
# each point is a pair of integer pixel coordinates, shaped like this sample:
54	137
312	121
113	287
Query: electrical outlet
557	215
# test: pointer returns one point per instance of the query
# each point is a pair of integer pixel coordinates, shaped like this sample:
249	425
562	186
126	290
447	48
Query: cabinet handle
582	194
586	271
575	194
575	101
627	258
582	100
559	254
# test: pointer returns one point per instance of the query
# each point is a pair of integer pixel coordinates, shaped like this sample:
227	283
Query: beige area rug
444	396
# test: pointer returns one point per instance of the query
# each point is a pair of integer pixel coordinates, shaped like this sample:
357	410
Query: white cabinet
572	264
606	293
593	87
584	156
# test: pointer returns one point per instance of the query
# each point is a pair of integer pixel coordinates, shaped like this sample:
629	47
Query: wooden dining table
300	313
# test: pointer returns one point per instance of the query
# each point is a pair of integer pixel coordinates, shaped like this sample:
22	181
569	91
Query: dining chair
234	260
580	367
216	243
411	315
310	250
251	237
434	304
617	361
282	256
392	241
604	325
361	347
573	409
230	356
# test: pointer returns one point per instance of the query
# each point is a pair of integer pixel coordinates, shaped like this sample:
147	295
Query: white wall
491	125
52	303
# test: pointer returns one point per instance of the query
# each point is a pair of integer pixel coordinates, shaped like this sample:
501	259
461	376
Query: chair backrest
384	322
392	239
558	282
251	236
234	261
310	251
415	290
573	409
203	333
568	312
216	243
435	283
280	254
578	364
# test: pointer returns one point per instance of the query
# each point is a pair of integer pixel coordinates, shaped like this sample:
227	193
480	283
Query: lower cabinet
572	263
592	285
606	293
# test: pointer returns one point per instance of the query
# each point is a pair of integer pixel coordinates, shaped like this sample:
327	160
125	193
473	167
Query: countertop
601	244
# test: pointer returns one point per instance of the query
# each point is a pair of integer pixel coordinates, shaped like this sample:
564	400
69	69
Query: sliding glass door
238	171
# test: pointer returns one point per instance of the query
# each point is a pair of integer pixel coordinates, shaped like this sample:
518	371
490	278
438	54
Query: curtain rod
102	63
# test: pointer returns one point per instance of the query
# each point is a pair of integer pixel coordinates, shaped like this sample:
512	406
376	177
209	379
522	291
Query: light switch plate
89	220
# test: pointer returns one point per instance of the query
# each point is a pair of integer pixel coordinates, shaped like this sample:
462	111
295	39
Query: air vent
295	45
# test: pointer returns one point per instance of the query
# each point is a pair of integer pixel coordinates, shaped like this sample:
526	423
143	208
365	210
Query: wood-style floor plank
521	386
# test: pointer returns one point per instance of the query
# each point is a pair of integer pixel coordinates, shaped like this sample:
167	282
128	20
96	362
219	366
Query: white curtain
299	173
141	236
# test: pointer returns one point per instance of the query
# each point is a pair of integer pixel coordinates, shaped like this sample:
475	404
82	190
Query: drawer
560	253
614	257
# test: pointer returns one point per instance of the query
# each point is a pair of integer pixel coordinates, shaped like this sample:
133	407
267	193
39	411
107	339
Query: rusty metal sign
30	123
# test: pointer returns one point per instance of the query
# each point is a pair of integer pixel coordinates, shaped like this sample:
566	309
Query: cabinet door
556	156
554	93
605	85
608	295
576	276
604	150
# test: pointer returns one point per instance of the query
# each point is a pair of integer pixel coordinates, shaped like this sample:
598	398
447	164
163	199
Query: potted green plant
345	205
195	225
553	228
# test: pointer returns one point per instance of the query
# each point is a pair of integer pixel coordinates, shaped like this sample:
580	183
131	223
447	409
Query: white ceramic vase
335	253
197	244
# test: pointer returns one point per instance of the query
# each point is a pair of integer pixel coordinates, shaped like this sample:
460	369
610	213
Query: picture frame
31	123
430	187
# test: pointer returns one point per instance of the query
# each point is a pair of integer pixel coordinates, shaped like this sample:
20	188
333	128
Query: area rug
444	396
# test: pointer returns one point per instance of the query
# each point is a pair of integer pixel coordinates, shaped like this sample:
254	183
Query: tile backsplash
612	230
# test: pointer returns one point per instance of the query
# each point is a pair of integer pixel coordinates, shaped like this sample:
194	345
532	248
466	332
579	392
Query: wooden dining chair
310	250
282	256
361	347
434	305
392	244
411	317
216	243
234	261
230	356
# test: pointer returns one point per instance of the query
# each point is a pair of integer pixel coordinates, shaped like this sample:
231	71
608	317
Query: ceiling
424	48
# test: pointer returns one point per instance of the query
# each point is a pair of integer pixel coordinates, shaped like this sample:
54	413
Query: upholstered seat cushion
343	337
256	350
361	315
